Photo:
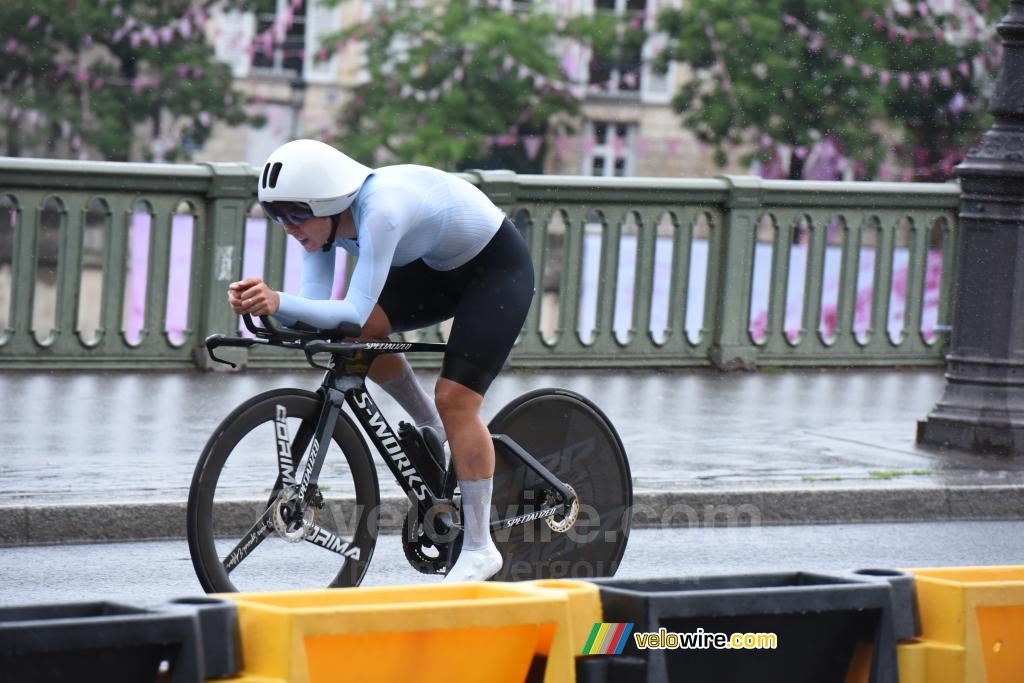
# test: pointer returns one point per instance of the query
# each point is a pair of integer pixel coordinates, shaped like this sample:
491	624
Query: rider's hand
253	296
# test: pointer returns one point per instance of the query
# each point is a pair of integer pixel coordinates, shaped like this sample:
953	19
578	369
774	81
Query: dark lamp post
982	409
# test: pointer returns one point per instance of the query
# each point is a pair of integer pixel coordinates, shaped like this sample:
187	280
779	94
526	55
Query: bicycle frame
349	383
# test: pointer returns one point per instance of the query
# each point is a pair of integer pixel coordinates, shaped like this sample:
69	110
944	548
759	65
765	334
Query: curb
93	523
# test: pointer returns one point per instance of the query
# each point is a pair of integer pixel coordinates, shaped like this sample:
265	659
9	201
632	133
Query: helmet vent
274	173
266	169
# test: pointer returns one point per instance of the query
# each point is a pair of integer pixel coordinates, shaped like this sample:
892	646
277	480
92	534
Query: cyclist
429	246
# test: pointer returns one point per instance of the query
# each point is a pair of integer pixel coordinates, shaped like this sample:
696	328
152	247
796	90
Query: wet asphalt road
101	437
148	573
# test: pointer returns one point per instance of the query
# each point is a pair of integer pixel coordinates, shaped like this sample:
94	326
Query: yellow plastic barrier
401	633
972	626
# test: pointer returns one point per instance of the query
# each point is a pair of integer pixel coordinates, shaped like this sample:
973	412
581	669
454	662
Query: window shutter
234	34
321	21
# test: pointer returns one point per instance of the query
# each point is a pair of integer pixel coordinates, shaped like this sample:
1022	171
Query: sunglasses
287	213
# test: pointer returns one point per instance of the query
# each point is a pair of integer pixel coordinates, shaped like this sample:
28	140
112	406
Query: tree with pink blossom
79	78
885	89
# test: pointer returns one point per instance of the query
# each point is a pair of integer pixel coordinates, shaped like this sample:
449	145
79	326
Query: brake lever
217	340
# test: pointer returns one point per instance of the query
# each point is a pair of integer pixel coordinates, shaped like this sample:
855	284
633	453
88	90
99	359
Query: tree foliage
461	84
78	76
793	72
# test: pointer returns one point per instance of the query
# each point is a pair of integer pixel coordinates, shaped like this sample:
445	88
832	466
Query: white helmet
309	177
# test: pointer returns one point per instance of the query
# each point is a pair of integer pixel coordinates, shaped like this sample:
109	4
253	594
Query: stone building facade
627	126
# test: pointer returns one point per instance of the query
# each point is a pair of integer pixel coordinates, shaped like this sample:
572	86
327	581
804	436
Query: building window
608	149
621	72
280	44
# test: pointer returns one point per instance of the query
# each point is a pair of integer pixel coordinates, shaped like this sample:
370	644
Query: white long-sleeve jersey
402	213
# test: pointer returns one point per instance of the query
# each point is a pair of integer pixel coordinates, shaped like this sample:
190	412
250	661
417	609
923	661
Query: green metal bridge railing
732	272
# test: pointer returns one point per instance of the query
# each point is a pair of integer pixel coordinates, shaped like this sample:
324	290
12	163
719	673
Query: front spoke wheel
242	476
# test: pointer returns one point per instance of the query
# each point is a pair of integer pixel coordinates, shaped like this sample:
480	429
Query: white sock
476	513
407	391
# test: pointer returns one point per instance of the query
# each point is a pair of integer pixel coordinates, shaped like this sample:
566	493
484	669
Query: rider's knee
450	400
377	326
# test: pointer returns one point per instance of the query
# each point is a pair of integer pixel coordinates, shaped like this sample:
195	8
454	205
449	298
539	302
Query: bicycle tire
212	518
573	439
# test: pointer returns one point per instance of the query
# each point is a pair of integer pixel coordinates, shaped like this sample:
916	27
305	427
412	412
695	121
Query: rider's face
311	233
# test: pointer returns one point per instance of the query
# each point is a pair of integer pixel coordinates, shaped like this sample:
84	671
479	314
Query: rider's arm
317	281
377	242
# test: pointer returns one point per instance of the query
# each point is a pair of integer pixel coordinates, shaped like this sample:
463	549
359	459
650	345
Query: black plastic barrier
906	622
219	634
827	628
113	643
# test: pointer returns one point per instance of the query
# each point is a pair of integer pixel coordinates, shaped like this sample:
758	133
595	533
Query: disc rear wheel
573	439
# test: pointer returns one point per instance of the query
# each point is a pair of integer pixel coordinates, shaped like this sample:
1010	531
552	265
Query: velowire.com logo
607	639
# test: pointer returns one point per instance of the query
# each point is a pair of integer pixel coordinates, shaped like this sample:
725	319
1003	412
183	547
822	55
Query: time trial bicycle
285	494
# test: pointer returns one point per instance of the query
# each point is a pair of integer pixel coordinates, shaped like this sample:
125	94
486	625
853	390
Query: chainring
426	556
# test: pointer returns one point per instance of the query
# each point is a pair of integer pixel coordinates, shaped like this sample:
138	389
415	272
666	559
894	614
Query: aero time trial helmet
306	178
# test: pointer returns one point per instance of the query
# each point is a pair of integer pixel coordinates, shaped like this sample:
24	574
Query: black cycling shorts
488	297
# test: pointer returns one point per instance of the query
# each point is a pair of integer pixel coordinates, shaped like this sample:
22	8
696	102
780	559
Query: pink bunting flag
562	145
532	143
619	147
505	140
587	146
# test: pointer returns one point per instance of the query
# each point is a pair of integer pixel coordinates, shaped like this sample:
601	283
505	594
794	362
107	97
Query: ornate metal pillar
982	409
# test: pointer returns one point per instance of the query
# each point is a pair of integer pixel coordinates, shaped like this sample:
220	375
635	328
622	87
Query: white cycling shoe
475	565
